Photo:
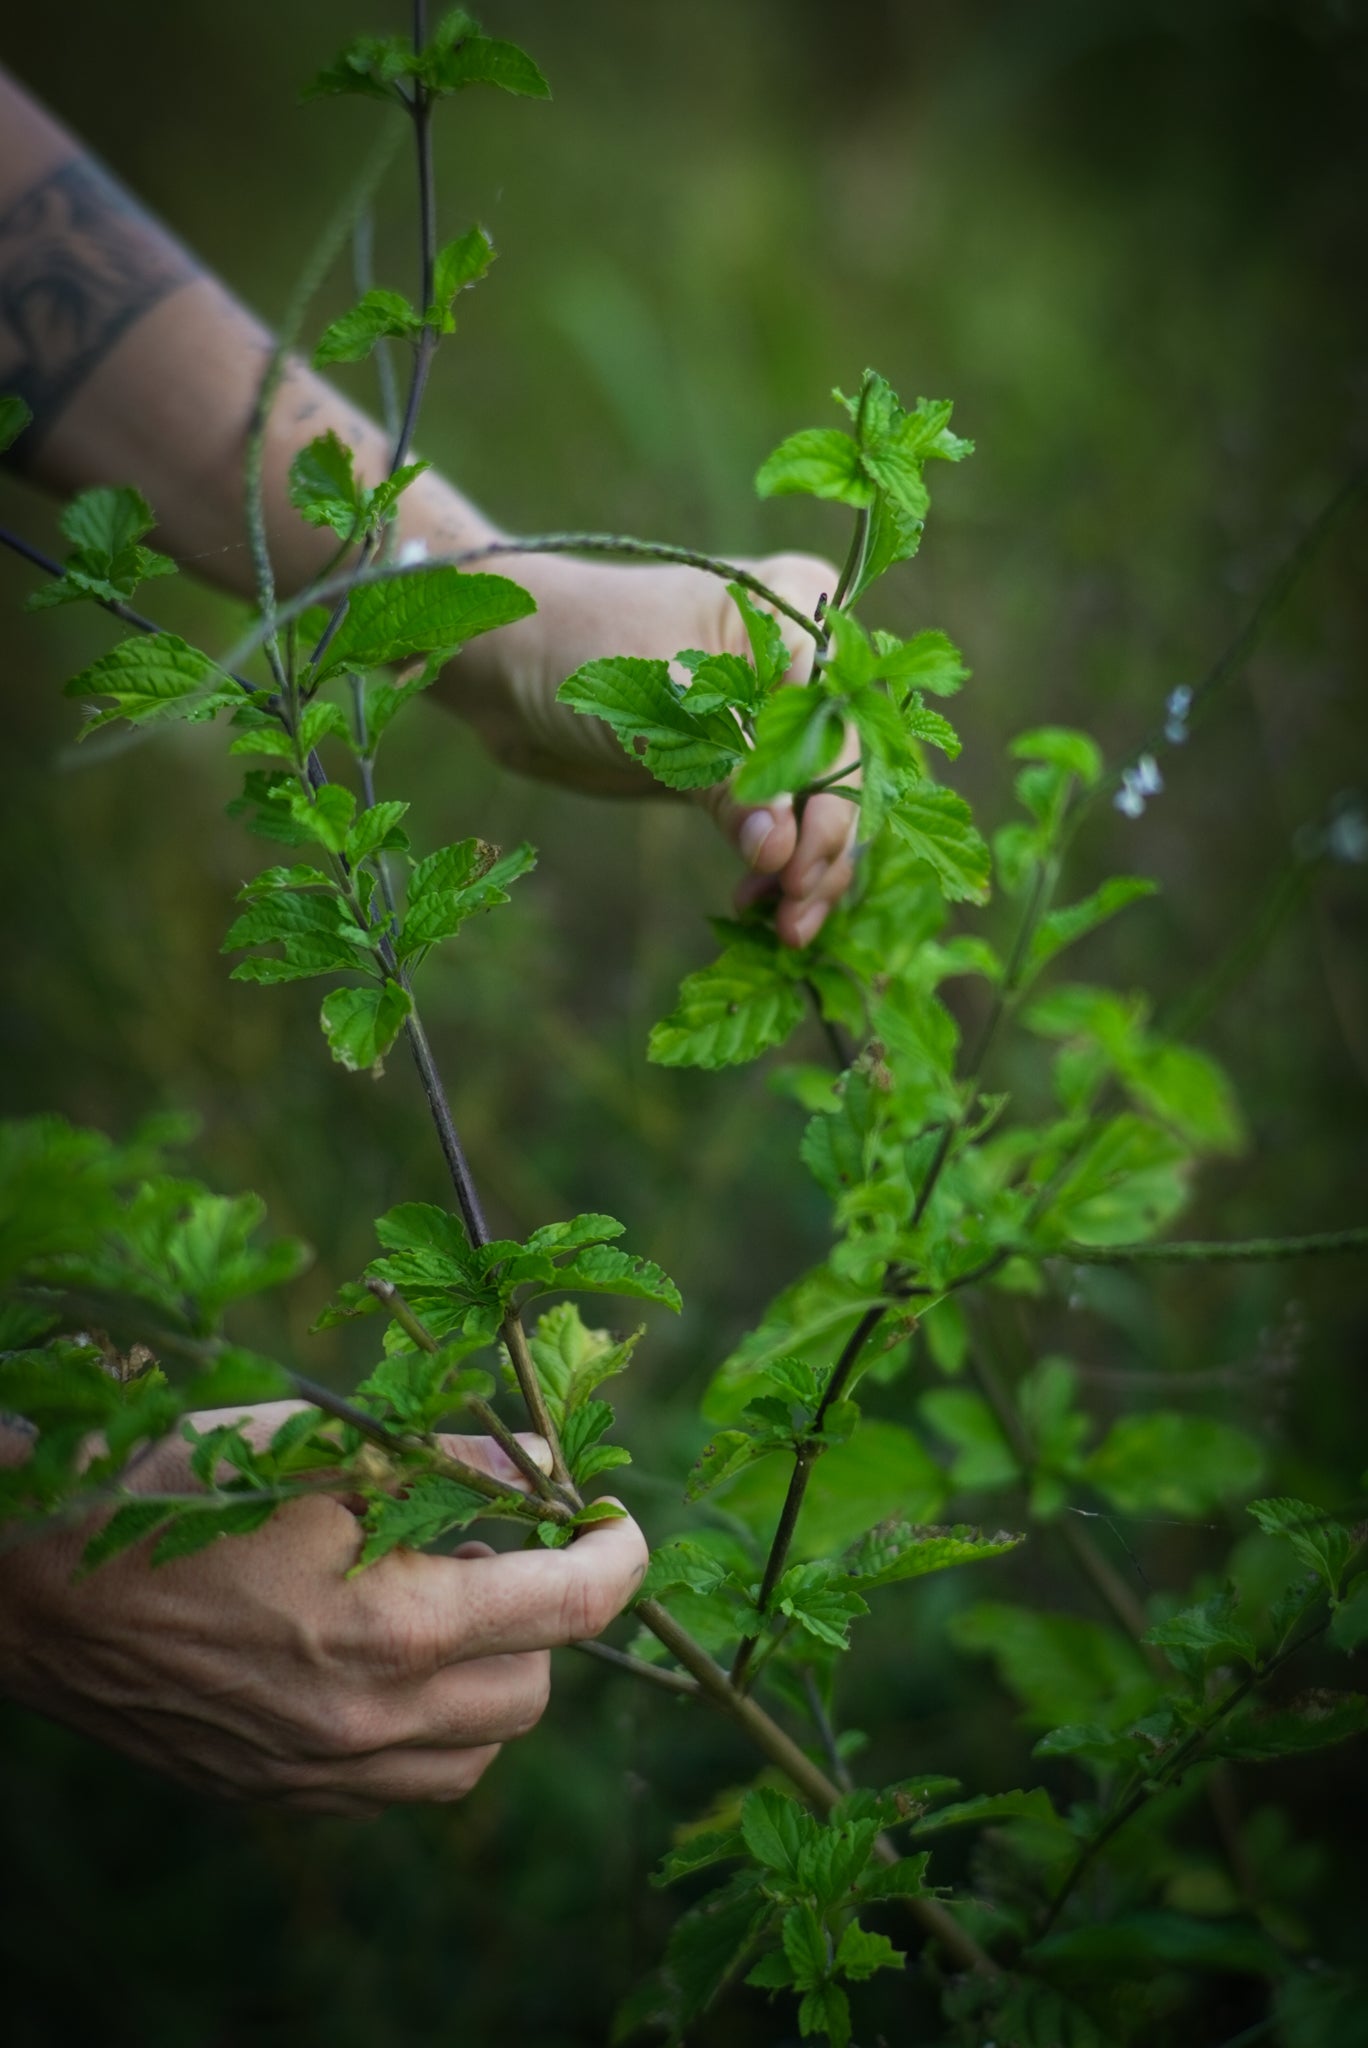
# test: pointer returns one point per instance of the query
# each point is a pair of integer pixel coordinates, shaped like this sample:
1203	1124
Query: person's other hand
506	682
257	1669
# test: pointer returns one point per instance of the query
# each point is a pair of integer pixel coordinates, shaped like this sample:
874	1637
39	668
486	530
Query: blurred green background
1127	239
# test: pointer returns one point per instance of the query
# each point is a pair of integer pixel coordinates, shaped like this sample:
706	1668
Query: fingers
364	1788
486	1456
443	1611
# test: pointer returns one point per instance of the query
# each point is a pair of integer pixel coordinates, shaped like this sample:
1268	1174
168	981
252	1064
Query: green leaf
1062	927
805	1947
194	1529
900	1550
1171	1464
603	1269
376	830
937	824
826	2010
1137	1945
15	415
726	1454
361	1024
708	1944
983	1458
1188	1090
460	264
1125	1185
1206	1632
367	65
473	59
154	675
132	1523
798	736
1061	747
377	316
821	462
653	722
432	1505
424	611
1323	1544
698	1851
881	1471
1033	1805
770	655
323	487
729	1012
861	1953
1060	1668
453	884
571	1361
1314	1720
814	1596
928	661
775	1828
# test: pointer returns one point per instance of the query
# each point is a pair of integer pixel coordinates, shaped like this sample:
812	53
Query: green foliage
943	1177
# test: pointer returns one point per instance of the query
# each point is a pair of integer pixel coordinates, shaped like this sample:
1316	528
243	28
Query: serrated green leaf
898	1550
770	655
459	265
653	722
193	1529
376	830
798	736
154	675
819	461
424	611
728	1013
699	1851
1205	1632
132	1523
1061	747
361	1024
1063	927
603	1269
821	1601
882	1470
861	1953
1322	1543
775	1828
1033	1805
474	59
1166	1463
323	488
378	315
432	1505
928	661
937	824
1314	1720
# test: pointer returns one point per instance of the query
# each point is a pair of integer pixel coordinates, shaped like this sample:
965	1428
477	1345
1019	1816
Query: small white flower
412	552
1148	780
1178	706
1347	836
1129	799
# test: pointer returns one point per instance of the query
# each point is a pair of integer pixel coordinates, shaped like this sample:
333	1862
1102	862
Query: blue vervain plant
943	1193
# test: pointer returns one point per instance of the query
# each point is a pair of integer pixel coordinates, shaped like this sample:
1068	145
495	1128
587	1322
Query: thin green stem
1169	1771
1195	1252
488	1417
820	1791
808	1451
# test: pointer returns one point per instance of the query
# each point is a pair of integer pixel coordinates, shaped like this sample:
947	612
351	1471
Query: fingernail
754	833
537	1449
806	883
808	923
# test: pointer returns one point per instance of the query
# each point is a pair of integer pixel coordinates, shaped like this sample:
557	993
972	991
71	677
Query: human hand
506	682
257	1669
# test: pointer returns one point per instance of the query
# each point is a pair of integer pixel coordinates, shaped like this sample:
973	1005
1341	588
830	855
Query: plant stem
654	1674
492	1421
808	1451
813	1783
1170	1770
1197	1251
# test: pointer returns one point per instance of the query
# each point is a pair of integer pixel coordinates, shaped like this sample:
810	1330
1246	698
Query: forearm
141	368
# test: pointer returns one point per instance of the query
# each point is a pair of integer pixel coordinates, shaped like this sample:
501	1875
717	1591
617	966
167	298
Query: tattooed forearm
79	263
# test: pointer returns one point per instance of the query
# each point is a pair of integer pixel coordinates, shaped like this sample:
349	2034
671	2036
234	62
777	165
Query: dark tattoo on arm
79	263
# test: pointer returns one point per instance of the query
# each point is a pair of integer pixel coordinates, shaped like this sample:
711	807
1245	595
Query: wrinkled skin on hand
256	1669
